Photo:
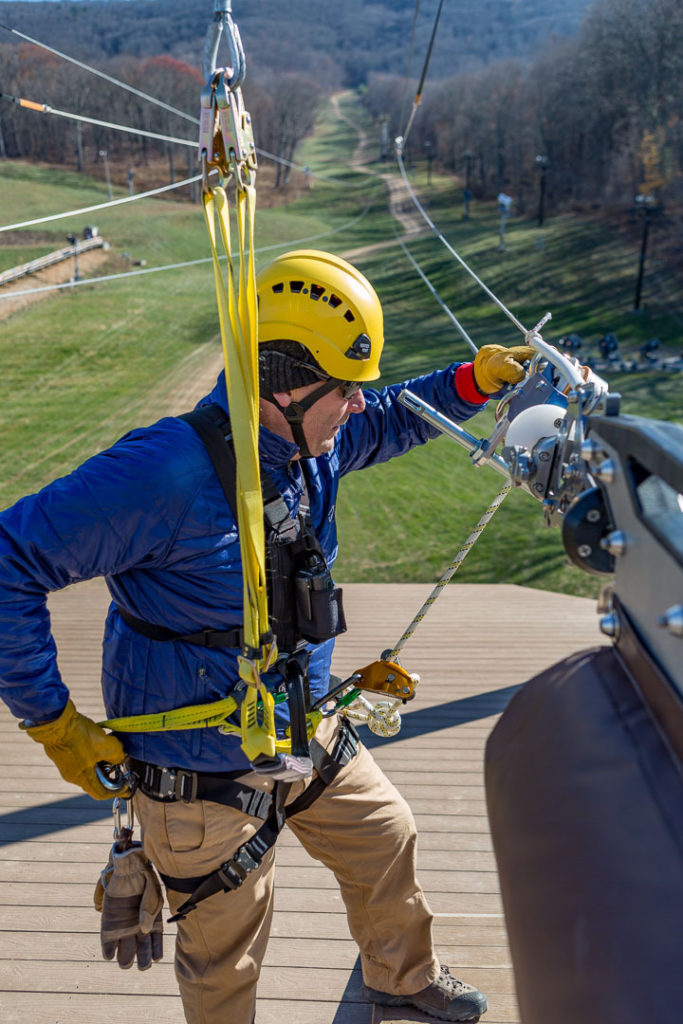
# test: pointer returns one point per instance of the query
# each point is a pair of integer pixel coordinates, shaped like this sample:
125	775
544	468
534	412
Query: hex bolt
584	551
589	450
614	543
672	619
606	471
593	515
610	625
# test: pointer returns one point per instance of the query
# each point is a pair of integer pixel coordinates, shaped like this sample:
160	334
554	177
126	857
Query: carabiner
116	811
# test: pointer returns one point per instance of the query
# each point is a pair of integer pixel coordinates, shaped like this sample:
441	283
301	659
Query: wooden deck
474	649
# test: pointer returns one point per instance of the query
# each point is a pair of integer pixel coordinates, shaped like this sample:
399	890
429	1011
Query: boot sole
386	999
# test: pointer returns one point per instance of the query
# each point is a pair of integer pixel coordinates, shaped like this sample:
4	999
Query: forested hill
334	43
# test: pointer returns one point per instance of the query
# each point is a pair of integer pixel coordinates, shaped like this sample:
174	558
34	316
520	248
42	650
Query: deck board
473	651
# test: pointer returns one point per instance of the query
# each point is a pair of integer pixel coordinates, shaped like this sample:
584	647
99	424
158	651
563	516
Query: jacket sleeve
118	509
387	428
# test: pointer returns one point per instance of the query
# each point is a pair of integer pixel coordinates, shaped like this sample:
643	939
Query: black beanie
281	367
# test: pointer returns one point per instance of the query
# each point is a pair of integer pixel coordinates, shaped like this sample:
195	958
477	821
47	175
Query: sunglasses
349	388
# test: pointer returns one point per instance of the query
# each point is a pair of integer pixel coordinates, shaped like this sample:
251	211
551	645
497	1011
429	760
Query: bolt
557	424
406	689
584	551
606	471
538	488
609	624
614	543
592	515
544	456
672	619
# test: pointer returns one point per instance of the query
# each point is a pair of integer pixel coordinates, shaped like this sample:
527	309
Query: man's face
324	418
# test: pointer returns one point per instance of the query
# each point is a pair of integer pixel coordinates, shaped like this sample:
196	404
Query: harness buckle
233	872
172	785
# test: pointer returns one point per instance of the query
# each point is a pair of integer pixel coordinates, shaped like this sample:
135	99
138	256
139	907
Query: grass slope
79	366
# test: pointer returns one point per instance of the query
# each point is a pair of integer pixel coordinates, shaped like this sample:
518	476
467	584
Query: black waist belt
204	637
169	785
249	855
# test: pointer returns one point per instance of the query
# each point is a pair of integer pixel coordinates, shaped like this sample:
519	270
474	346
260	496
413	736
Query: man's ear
283	398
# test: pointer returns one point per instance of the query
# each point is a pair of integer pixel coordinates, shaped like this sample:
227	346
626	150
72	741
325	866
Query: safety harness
169	785
304	603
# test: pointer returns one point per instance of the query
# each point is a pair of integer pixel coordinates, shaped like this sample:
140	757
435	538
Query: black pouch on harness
319	609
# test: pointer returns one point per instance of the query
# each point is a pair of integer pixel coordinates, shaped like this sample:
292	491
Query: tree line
600	116
337	45
283	107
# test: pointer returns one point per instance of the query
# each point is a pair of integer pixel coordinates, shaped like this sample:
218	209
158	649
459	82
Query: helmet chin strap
294	413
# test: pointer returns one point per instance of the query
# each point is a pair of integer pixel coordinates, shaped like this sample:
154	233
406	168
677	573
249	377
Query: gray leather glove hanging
128	895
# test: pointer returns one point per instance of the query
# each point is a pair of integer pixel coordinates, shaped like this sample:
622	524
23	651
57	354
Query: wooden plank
53	841
282	952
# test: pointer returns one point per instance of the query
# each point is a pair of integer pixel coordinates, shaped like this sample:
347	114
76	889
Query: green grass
79	366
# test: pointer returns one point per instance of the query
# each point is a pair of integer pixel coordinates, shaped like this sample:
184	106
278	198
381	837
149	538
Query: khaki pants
360	827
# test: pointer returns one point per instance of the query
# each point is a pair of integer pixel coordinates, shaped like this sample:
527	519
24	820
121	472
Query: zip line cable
463	333
178	266
400	147
101	74
45	108
501	305
151	99
418	94
409	62
101	206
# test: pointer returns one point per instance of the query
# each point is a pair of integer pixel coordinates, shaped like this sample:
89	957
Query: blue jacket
149	515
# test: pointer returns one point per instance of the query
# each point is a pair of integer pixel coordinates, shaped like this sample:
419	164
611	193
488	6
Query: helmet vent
296	286
278	287
334	301
316	291
348	315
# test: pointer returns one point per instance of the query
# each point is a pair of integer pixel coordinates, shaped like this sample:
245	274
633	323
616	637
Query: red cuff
465	386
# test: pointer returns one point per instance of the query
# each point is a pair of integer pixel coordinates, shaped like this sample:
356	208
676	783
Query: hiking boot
447	998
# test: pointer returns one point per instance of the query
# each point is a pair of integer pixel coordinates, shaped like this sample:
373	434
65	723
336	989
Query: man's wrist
467	387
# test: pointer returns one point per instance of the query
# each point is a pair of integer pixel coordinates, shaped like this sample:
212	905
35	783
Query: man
152	517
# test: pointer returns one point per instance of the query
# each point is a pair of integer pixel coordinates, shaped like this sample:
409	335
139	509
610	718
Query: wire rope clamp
387	677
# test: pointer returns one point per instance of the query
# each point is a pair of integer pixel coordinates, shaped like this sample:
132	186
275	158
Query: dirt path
401	206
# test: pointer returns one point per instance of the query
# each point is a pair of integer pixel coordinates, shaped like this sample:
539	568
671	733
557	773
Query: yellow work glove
495	366
128	895
76	744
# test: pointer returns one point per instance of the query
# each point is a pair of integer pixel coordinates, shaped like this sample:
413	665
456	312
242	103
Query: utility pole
504	207
384	137
646	204
468	157
542	166
103	154
72	240
79	147
429	153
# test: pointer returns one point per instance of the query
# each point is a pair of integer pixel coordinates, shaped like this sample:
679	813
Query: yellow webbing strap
200	716
195	717
237	314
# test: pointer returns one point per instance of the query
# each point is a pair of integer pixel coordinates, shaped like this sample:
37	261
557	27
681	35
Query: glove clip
123	836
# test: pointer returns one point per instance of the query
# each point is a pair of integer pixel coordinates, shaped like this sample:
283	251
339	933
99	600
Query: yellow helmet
329	307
